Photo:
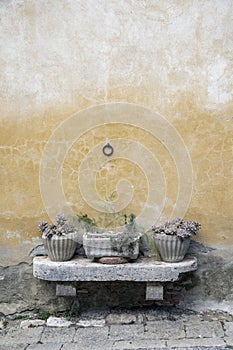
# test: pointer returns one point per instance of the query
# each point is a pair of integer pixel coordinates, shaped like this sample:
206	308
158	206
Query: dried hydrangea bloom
60	228
178	227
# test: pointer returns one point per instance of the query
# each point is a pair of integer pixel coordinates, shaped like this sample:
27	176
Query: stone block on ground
155	315
212	315
140	318
91	323
31	323
58	322
121	318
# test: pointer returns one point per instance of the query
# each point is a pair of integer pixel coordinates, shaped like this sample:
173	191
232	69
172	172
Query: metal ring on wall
108	150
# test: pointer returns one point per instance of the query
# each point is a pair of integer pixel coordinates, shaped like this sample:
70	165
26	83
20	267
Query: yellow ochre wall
100	60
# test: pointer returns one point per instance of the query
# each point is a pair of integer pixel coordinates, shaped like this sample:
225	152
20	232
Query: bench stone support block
154	291
65	290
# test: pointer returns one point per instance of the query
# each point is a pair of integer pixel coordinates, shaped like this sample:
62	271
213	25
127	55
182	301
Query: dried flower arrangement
60	228
178	227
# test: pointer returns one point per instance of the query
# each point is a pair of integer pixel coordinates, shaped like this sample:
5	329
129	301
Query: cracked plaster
172	57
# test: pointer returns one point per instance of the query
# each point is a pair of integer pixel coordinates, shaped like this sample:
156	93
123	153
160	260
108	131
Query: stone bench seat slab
82	269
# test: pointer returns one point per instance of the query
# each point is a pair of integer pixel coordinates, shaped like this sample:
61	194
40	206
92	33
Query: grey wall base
209	287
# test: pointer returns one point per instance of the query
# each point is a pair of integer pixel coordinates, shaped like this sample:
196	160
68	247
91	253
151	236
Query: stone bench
148	270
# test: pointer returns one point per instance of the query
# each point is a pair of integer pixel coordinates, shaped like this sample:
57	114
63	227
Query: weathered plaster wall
59	58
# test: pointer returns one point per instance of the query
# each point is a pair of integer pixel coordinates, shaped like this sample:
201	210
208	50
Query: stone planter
171	248
60	248
98	245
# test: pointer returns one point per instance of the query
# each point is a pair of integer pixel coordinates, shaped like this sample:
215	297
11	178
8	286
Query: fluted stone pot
171	248
60	248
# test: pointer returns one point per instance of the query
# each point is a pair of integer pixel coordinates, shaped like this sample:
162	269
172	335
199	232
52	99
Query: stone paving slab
57	335
165	330
13	346
95	333
100	345
229	341
145	344
125	332
228	329
204	329
130	330
22	336
47	346
196	348
204	342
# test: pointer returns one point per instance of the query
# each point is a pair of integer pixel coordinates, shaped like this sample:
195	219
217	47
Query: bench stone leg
154	291
64	290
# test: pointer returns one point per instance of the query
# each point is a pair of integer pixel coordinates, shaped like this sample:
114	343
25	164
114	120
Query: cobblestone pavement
140	329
